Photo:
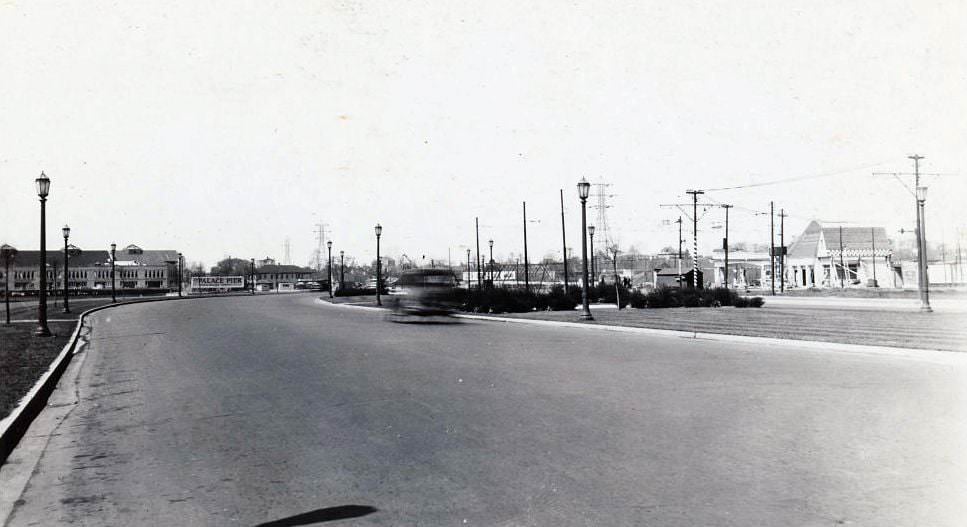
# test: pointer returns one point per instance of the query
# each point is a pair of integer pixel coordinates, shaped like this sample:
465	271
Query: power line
793	179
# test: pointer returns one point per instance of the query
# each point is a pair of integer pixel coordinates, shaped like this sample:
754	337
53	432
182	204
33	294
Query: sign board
780	251
217	282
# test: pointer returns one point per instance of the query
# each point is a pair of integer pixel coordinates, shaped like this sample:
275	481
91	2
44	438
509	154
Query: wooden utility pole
725	243
772	247
782	250
563	242
695	194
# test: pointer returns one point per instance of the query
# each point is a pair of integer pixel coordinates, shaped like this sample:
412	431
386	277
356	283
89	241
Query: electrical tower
322	229
601	207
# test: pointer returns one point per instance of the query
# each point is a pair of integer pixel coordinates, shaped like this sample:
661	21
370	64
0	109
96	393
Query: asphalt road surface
250	410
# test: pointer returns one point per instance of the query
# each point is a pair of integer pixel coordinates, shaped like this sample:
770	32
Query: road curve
251	410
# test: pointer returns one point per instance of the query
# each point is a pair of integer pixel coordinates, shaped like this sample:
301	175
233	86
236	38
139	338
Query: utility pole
782	250
680	240
842	266
479	278
772	247
695	194
873	241
564	241
725	243
527	282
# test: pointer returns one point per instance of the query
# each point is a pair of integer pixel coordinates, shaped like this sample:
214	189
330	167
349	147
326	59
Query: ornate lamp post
594	277
329	267
379	264
252	273
584	188
469	280
8	253
43	187
925	293
67	232
181	266
114	295
491	273
342	269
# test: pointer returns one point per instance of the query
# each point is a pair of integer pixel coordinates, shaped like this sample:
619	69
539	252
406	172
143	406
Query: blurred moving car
425	292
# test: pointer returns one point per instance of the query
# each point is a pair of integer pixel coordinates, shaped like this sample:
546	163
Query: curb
15	425
818	345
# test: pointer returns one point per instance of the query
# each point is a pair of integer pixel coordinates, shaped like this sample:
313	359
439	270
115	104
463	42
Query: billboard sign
217	282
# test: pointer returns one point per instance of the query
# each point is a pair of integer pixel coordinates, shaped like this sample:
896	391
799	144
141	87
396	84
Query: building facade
90	271
826	257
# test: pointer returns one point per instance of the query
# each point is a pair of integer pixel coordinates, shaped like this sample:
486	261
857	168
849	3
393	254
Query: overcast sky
223	128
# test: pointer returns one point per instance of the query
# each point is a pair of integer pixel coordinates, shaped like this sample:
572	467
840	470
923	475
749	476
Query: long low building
135	269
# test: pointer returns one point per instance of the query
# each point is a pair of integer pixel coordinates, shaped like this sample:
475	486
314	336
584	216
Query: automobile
425	292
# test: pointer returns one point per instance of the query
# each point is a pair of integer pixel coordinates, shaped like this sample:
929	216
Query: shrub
756	301
557	300
742	301
604	292
637	299
500	300
687	297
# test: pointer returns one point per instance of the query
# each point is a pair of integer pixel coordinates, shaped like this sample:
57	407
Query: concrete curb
15	425
721	337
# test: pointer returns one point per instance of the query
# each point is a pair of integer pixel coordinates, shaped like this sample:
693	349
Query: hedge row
500	300
685	297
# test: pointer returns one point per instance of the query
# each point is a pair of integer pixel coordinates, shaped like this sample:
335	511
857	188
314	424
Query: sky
223	128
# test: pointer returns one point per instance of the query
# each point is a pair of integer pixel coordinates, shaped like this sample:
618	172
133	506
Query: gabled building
841	257
88	270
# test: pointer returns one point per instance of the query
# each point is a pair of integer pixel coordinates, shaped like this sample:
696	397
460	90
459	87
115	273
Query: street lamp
43	187
252	267
491	243
8	253
114	295
181	266
329	246
379	232
925	294
67	232
584	188
342	269
594	277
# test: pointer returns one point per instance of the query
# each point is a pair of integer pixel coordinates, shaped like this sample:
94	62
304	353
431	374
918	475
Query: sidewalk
941	330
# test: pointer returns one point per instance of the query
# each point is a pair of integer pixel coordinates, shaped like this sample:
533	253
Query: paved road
239	411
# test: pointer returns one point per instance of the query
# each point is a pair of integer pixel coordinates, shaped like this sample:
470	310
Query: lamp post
181	264
8	253
114	295
591	234
252	273
43	187
67	232
491	273
379	232
342	268
469	280
922	222
329	247
584	189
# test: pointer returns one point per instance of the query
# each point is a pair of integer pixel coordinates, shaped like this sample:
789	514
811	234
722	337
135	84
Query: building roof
276	268
818	240
85	258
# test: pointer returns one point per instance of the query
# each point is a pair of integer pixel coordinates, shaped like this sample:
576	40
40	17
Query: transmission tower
601	207
322	229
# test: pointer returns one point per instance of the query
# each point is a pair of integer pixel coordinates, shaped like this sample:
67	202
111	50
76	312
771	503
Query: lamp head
379	230
922	193
329	244
67	231
43	185
591	230
491	243
584	188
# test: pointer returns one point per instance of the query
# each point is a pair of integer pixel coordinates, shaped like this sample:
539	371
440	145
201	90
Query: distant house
284	277
671	278
841	257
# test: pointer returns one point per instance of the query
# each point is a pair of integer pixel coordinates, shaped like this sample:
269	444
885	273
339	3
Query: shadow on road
328	514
